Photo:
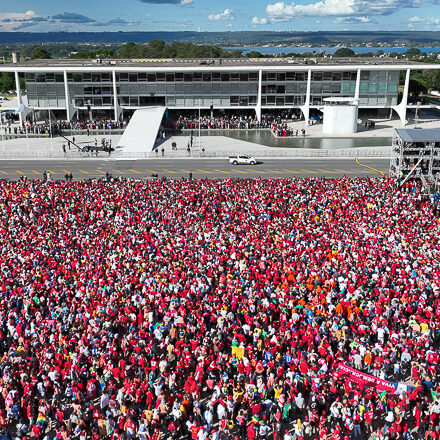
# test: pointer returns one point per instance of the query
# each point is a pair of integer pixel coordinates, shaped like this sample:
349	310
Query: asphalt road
201	168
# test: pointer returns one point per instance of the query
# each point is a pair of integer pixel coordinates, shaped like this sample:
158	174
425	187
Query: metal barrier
373	152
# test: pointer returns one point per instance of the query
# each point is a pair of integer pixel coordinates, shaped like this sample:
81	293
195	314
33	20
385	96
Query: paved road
201	168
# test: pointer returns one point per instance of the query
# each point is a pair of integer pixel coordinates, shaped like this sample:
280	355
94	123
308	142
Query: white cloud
186	3
256	20
354	20
226	15
13	21
280	11
417	19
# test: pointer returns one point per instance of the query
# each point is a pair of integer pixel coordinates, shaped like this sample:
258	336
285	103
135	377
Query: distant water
328	50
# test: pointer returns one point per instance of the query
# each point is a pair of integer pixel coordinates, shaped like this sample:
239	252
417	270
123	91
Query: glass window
365	75
280	100
170	77
87	77
207	77
270	100
337	76
316	76
243	100
216	76
97	102
96	77
151	77
160	77
59	77
235	77
123	77
142	77
97	90
198	76
88	90
106	77
271	76
188	77
107	100
253	100
244	77
253	76
225	77
281	89
50	77
134	101
382	87
234	100
392	88
372	88
132	77
336	88
364	87
77	77
327	76
178	77
281	76
288	100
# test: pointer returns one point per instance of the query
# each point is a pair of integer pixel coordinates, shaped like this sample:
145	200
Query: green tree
7	82
39	53
431	79
417	87
413	52
344	52
254	54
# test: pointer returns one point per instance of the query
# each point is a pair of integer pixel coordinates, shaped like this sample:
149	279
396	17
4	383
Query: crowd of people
217	309
227	122
54	127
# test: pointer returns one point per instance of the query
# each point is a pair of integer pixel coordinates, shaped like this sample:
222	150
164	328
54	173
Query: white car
242	159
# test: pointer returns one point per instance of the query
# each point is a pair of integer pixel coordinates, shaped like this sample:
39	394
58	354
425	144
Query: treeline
160	49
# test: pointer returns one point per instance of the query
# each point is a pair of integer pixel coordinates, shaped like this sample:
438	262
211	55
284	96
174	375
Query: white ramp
141	132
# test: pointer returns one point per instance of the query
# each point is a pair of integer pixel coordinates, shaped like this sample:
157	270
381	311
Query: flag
434	395
382	396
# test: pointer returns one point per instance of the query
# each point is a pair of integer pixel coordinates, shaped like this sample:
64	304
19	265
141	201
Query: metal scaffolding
416	156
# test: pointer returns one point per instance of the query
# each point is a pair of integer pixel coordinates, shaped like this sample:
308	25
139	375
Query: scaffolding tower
415	155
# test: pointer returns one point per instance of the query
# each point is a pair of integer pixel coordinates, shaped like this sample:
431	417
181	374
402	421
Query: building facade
113	86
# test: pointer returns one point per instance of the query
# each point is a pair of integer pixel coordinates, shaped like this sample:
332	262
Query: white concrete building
73	88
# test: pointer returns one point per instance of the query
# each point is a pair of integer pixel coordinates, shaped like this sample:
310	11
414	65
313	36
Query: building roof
419	135
208	63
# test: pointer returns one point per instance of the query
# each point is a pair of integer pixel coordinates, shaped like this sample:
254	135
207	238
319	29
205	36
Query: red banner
365	380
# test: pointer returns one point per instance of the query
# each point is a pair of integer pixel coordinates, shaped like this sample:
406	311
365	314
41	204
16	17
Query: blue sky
210	15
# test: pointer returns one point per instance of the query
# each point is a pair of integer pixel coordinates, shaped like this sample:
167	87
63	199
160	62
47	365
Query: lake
328	50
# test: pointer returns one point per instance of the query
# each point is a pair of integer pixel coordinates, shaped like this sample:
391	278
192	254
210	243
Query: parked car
242	159
3	99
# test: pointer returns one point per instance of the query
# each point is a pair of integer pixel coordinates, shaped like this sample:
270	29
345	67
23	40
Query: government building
74	89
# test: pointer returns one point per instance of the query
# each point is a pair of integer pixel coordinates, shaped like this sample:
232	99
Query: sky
218	15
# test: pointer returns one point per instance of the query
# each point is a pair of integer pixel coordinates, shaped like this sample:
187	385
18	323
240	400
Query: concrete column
306	107
358	84
66	92
260	84
115	97
19	98
402	107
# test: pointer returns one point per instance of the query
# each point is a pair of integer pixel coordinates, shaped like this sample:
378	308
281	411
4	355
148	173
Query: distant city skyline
209	15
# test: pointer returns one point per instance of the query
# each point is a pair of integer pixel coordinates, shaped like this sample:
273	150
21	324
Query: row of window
174	101
171	77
